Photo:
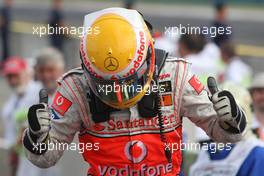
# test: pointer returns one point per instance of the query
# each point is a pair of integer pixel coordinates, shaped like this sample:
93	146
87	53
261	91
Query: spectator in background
204	57
236	70
195	49
257	93
220	23
129	4
16	72
191	44
5	28
25	94
167	42
56	21
49	67
241	159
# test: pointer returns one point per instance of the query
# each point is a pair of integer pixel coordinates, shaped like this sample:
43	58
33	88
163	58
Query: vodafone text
144	169
140	53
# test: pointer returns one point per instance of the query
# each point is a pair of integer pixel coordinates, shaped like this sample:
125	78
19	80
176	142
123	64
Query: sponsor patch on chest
165	86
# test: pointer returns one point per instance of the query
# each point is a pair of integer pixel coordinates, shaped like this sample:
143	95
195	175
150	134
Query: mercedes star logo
111	64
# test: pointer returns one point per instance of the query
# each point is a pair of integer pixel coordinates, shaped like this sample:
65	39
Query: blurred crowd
26	78
217	57
209	56
26	81
56	19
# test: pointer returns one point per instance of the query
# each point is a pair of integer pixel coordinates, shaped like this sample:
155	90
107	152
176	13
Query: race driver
130	99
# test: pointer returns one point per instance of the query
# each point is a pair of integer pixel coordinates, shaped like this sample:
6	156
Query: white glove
231	117
39	125
39	121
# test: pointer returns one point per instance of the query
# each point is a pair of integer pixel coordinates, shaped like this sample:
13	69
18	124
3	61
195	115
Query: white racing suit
128	144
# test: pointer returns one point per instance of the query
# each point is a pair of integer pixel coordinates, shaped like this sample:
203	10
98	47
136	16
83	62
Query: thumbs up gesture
231	117
38	118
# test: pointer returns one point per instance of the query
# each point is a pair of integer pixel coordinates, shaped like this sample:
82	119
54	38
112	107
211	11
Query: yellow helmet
118	56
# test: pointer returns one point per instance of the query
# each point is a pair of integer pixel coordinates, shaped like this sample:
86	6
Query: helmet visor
119	90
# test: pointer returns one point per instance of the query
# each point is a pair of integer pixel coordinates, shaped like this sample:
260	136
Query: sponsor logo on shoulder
196	84
61	104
